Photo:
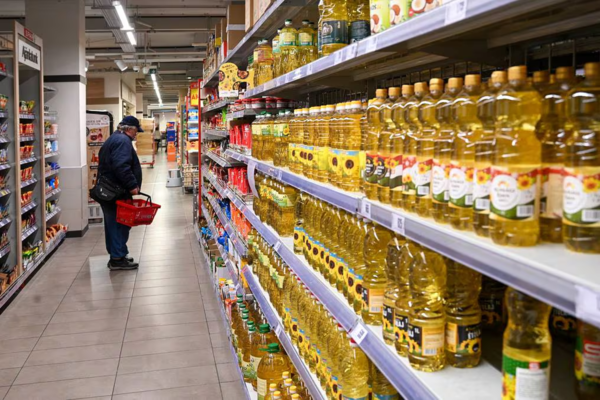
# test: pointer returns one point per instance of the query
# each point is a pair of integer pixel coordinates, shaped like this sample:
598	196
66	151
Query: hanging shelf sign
230	79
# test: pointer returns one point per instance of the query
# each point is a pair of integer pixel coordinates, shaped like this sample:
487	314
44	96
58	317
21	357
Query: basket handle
148	198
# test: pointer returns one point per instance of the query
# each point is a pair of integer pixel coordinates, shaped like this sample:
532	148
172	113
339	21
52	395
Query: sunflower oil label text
382	171
439	182
524	380
581	196
491	310
461	186
426	341
401	328
287	39
372	299
513	193
305	39
370	168
463	339
388	318
481	190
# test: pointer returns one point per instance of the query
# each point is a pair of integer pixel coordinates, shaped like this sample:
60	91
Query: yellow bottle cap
394	91
455	83
381	93
499	77
473	79
408	90
518	72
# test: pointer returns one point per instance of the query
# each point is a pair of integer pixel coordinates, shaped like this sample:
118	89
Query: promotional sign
194	94
193	115
97	131
230	79
29	55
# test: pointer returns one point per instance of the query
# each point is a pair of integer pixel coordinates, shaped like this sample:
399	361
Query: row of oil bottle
432	309
513	160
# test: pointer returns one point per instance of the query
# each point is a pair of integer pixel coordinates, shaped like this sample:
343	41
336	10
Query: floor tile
75	370
165	275
219	340
155	362
165	331
228	372
166	319
232	390
72	354
8	375
80	339
210	391
163	282
169	345
190	287
93	305
99	325
165	379
166	299
168	308
69	389
17	345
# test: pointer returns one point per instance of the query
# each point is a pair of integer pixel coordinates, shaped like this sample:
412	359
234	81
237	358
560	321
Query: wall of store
109	99
162	122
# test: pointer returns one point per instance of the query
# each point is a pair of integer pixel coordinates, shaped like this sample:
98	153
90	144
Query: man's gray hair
125	127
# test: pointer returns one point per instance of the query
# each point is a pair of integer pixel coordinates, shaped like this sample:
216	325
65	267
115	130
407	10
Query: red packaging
247	136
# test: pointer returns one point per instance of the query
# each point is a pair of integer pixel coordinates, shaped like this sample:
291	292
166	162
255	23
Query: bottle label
309	155
382	170
335	160
292	153
408	174
350	280
394	396
266	130
423	178
323	256
359	30
372	300
335	387
395	167
439	182
481	190
248	370
334	32
370	168
358	289
316	250
492	310
287	39
261	388
350	161
322	161
552	191
561	321
581	197
298	237
341	268
513	193
587	362
275	45
294	327
463	339
461	186
362	163
263	55
316	154
306	39
388	318
401	327
524	380
301	339
426	341
332	264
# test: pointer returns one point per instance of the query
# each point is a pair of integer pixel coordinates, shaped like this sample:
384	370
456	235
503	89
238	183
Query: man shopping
119	163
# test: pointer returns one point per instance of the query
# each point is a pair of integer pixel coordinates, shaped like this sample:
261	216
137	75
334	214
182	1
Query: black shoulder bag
106	191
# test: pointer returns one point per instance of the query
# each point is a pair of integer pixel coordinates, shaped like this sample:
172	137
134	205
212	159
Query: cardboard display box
249	14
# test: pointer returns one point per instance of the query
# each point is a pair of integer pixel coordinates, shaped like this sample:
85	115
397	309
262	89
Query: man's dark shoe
122	264
130	259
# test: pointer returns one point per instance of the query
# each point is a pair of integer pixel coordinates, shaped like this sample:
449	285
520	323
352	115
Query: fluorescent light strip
153	77
131	38
122	16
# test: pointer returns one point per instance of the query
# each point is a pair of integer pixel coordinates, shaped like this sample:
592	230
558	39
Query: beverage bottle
587	362
552	132
491	302
408	253
264	64
354	371
310	138
563	324
527	347
299	222
276	55
514	192
463	316
372	143
270	369
257	138
248	372
335	144
382	389
307	48
277	138
427	319
398	139
267	137
425	140
541	80
285	138
350	134
375	278
288	45
409	158
334	26
258	349
287	206
322	142
384	156
295	141
364	133
271	393
358	14
442	150
484	150
392	289
468	131
581	197
337	347
294	299
355	237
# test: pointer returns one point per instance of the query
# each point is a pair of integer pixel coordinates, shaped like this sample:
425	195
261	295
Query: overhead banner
29	55
194	94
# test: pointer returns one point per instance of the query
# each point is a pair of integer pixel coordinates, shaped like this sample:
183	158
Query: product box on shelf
249	14
235	27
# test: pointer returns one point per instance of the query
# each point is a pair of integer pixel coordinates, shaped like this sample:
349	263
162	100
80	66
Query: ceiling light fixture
122	66
131	38
122	16
153	77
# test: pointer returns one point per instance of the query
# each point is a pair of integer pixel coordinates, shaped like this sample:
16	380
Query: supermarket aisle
80	331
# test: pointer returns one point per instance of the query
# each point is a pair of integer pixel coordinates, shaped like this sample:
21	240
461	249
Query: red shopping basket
136	211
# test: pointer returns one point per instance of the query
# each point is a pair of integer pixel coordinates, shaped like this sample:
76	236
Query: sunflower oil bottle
491	302
354	371
375	279
277	135
514	192
484	151
408	253
364	134
427	319
267	137
381	388
310	139
463	316
425	141
287	210
334	367
288	44
351	147
392	290
258	348
581	198
248	372
322	143
409	158
563	324
257	145
358	14
334	157
526	351
307	48
587	362
541	80
334	26
270	369
552	132
442	149
468	131
264	64
384	156
276	55
372	143
398	139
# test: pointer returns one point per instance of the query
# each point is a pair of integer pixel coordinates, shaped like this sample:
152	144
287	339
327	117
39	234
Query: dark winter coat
119	162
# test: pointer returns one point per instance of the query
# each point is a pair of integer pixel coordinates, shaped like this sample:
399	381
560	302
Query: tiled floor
80	331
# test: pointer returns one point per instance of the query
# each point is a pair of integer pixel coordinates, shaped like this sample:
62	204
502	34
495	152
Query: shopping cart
136	211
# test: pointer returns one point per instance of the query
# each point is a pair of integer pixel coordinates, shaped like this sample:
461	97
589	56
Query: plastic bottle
323	143
514	192
334	26
277	138
427	319
247	370
398	141
264	62
267	137
408	253
527	347
587	362
384	156
350	139
442	150
462	171
258	348
392	289
337	345
425	140
307	48
364	133
541	80
409	158
581	198
381	388
372	144
484	150
491	302
271	393
288	45
360	269
563	324
256	150
354	371
310	139
552	132
270	369
375	279
276	55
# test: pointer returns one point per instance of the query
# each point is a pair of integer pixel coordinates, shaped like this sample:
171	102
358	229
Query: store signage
28	34
230	79
194	94
29	55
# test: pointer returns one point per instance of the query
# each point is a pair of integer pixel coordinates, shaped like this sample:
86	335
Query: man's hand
134	191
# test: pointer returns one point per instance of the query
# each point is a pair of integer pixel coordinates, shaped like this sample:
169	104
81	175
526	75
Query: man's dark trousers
116	234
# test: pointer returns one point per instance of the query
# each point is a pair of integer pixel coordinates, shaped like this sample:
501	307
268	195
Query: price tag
309	69
455	11
398	224
371	44
359	333
365	208
278	330
587	305
251	182
277	246
338	57
297	74
351	52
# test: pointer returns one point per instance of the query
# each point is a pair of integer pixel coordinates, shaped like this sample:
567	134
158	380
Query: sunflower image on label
350	280
581	196
481	190
463	339
524	380
316	157
298	237
401	328
388	318
439	182
423	178
350	164
561	321
372	299
426	340
552	191
332	263
333	32
370	168
395	167
335	161
513	193
461	186
358	288
310	155
292	153
408	165
492	310
587	363
316	250
341	268
294	328
381	170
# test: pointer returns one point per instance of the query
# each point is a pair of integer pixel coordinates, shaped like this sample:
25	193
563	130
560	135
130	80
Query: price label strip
455	11
277	246
587	305
359	333
398	224
365	208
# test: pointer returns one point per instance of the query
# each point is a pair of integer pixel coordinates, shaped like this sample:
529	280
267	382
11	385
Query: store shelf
52	173
5	221
28	207
28	232
4	192
4	139
28	182
217	132
50	118
53	213
4	114
4	166
240	114
52	193
5	250
237	241
216	106
213	180
220	160
52	154
27	116
51	137
28	160
26	138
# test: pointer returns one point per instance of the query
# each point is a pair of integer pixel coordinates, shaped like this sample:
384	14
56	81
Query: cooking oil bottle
364	134
392	289
384	156
335	156
375	279
427	319
267	137
514	192
463	316
310	140
587	362
491	302
360	268
336	345
270	369
372	145
425	141
258	348
322	143
527	348
409	158
257	138
408	253
381	388
552	132
484	150
563	324
287	210
288	44
307	48
264	62
398	139
358	14
442	149
247	369
468	130
355	371
350	133
581	199
334	26
276	55
541	80
277	138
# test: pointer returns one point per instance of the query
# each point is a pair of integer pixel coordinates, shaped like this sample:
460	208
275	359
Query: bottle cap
472	79
436	81
499	77
408	90
305	22
541	76
295	397
591	69
273	387
517	73
288	22
288	382
381	93
563	73
293	389
455	83
251	328
277	395
420	87
273	348
264	328
394	91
